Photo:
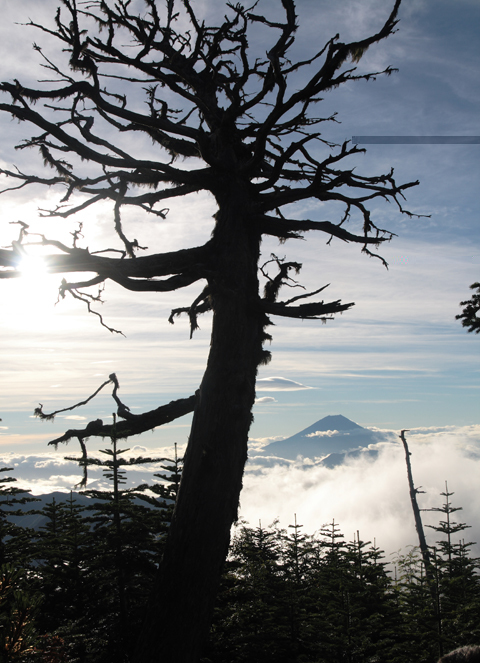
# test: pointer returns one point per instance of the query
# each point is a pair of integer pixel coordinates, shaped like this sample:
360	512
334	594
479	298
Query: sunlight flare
33	295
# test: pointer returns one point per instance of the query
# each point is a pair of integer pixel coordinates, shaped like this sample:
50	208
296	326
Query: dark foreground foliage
288	597
471	309
74	590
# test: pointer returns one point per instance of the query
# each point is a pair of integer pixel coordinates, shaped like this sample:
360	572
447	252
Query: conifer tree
127	530
418	626
61	576
19	608
162	494
53	554
471	308
373	618
295	598
250	619
19	602
295	566
14	540
448	527
458	581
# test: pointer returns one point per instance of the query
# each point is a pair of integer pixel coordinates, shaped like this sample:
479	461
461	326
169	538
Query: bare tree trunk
416	512
179	613
429	569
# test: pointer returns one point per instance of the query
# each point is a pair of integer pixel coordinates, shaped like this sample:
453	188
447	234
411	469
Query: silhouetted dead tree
425	552
241	127
416	512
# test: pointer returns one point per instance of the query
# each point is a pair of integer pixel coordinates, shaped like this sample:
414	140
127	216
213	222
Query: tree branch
137	424
470	314
293	229
134	424
311	311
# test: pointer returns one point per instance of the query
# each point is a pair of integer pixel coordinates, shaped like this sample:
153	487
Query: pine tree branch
470	314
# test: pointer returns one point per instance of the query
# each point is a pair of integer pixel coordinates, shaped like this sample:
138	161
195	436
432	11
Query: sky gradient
398	359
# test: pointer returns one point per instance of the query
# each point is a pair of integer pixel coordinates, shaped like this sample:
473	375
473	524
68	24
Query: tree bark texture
209	492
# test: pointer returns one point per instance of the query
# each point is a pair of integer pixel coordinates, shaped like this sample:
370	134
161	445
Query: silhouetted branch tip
470	315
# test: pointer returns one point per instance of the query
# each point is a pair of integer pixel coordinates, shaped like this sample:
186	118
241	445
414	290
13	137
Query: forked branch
133	424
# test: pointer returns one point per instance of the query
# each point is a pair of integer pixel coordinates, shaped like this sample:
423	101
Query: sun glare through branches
32	268
33	294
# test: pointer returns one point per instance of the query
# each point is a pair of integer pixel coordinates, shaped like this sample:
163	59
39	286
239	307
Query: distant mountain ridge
334	434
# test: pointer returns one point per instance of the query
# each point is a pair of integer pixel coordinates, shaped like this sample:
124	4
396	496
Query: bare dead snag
427	562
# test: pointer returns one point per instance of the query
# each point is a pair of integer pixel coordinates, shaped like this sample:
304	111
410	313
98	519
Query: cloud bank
371	494
368	494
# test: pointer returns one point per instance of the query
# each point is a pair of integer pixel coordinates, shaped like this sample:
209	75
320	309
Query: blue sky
398	359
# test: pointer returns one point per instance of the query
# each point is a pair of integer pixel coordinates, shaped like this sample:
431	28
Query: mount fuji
331	438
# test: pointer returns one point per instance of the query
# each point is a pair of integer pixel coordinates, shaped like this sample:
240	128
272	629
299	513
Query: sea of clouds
368	493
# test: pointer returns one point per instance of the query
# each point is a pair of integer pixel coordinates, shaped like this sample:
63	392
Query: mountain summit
332	422
334	434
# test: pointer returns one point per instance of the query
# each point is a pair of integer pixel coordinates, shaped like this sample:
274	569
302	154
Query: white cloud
326	433
367	494
47	462
266	399
265	440
50	471
279	384
256	445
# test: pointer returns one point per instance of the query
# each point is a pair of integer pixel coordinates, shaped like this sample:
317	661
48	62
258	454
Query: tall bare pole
427	562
